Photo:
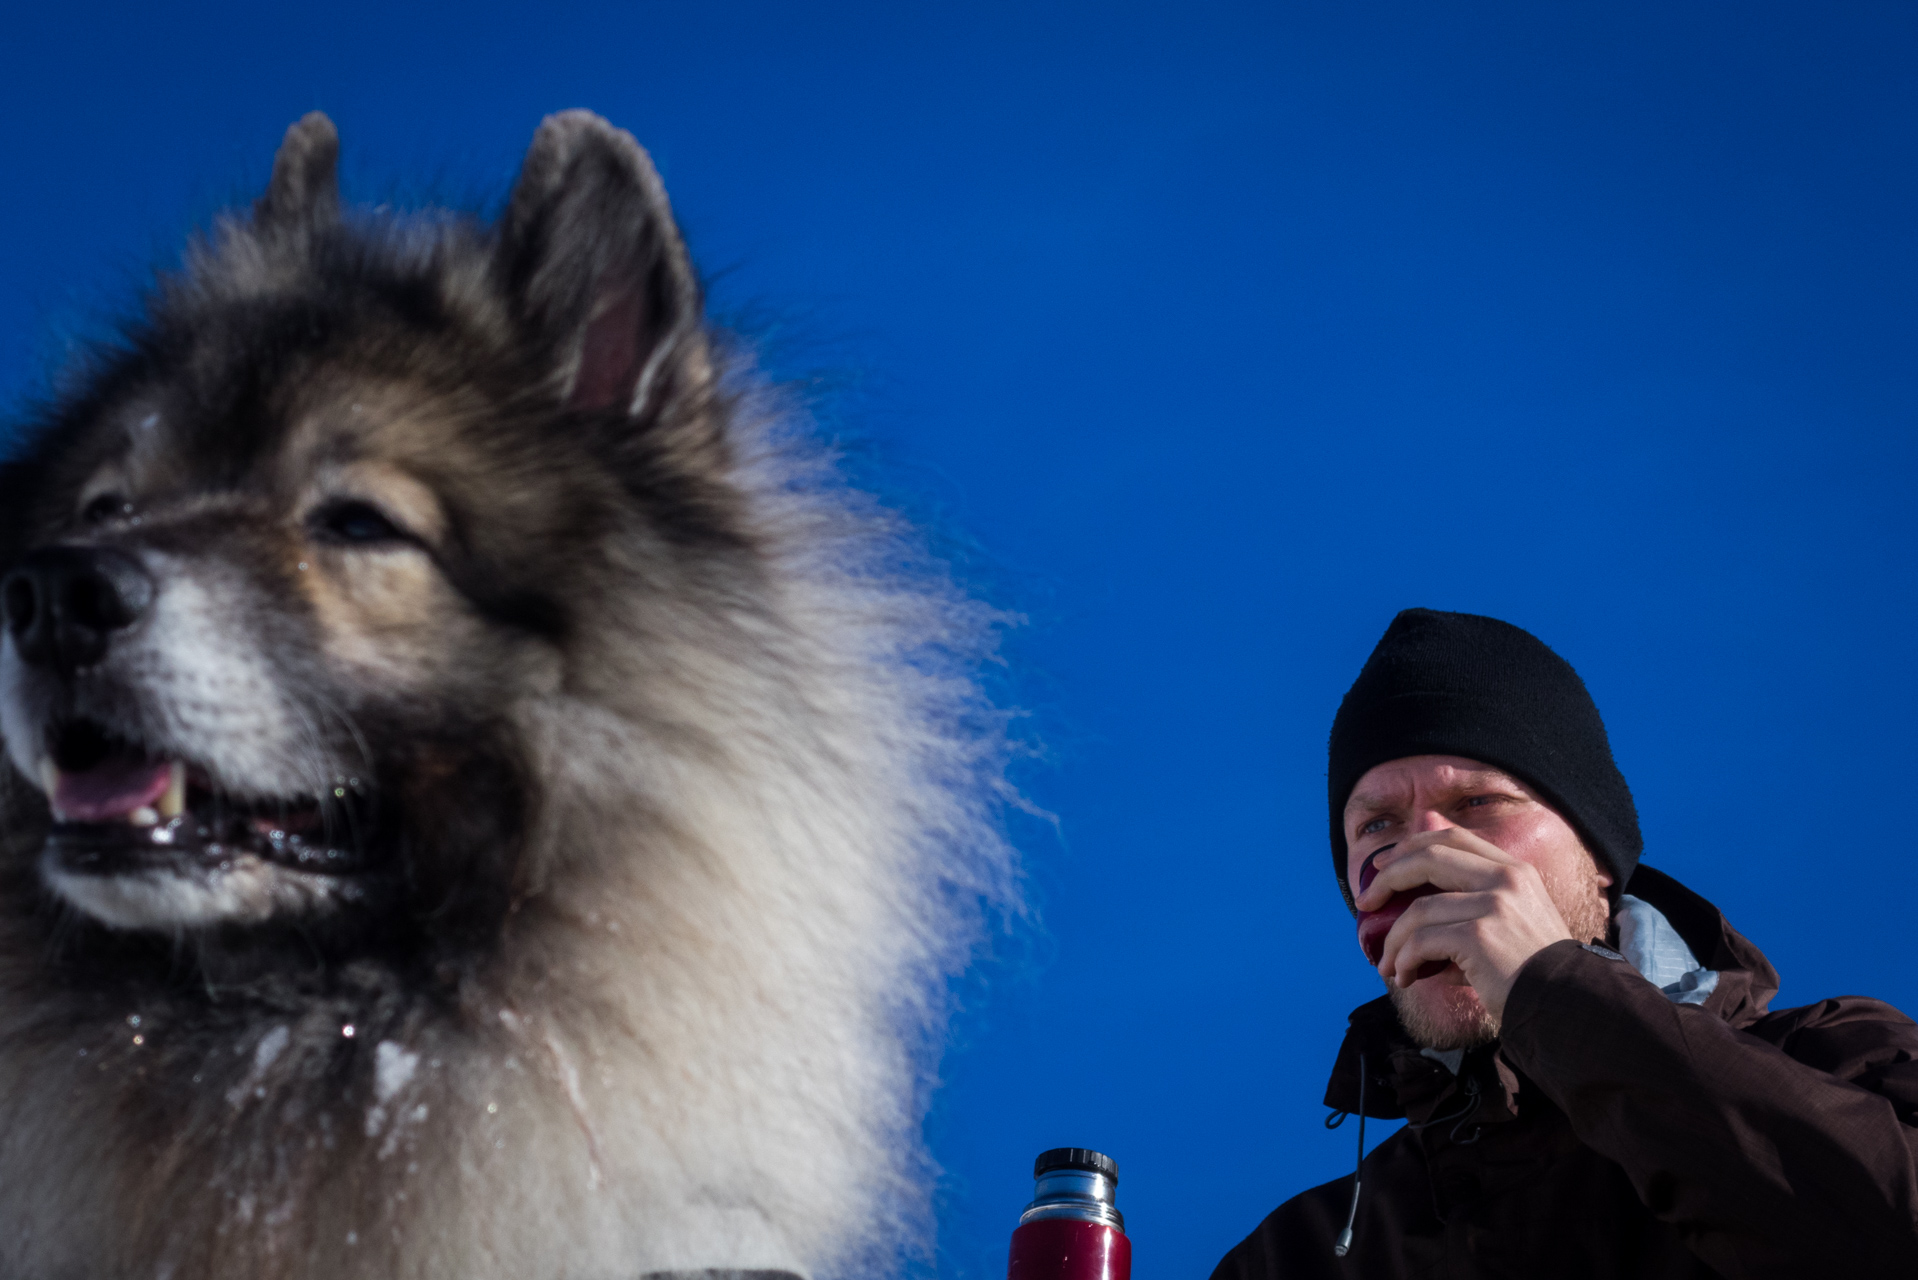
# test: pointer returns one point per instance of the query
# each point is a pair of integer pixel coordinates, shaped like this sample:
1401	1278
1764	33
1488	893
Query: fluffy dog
484	799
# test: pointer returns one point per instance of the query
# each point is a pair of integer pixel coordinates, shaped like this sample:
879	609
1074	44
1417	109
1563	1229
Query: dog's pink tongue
111	790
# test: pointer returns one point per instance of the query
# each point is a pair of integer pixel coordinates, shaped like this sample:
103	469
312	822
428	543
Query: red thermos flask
1070	1231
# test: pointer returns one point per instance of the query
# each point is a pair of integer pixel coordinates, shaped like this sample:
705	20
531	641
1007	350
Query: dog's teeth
173	803
50	783
144	816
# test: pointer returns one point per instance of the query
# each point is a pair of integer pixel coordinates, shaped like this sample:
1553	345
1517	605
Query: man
1592	1082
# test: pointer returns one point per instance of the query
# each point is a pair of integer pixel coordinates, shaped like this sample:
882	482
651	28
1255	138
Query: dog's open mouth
118	807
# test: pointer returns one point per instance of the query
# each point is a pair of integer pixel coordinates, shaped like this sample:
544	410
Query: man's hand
1492	915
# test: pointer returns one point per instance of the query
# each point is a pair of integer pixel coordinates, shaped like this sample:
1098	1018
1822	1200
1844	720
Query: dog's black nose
63	604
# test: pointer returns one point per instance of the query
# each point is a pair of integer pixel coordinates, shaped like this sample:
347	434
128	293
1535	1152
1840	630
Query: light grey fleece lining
1650	945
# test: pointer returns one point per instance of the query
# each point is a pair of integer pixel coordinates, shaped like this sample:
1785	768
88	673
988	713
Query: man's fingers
1426	919
1450	941
1444	866
1457	837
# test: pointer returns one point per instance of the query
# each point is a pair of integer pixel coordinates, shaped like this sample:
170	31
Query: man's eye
354	522
1376	824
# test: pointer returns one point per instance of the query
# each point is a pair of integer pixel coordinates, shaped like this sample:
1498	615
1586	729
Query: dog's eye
105	507
360	523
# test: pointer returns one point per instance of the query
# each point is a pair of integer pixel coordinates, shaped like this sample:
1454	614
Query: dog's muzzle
64	604
144	832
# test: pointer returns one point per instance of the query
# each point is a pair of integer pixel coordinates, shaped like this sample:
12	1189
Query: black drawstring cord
1467	1109
1462	1116
1345	1236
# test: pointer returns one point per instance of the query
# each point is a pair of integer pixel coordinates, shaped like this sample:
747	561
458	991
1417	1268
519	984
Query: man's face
1422	793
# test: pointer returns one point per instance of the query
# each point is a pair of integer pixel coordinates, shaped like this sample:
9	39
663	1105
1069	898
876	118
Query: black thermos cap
1076	1158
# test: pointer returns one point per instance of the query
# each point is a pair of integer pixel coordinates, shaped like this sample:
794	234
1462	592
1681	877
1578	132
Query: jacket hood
1746	984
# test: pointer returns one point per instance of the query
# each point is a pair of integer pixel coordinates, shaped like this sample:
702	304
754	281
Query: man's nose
1430	820
63	604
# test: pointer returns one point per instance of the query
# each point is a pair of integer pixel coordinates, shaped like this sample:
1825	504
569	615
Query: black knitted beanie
1456	684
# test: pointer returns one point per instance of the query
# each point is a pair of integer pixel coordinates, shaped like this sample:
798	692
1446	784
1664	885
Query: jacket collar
1746	979
1398	1076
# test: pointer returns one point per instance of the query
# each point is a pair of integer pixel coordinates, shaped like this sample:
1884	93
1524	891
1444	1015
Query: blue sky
1209	336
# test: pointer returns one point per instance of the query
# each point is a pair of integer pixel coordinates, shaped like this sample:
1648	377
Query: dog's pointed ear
304	191
593	263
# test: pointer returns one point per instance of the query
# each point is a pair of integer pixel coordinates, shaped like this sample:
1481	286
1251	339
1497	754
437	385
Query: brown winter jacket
1612	1133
